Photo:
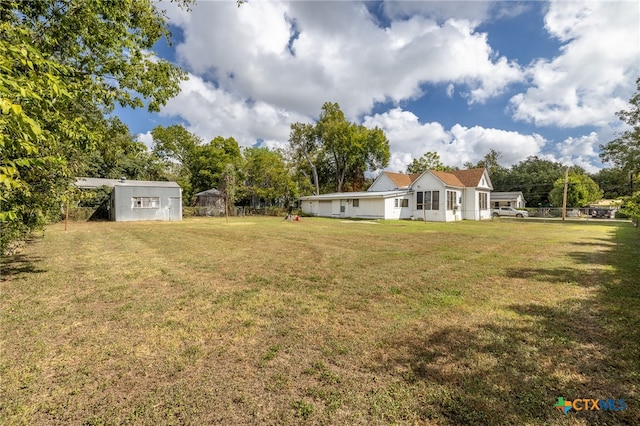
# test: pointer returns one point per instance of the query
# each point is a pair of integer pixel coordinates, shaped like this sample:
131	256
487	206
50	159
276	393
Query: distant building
432	196
508	199
133	200
210	203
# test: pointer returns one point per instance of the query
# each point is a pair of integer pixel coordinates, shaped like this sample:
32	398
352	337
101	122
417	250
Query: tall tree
267	177
581	191
535	177
615	182
304	149
624	151
429	161
119	154
497	173
347	149
208	168
177	149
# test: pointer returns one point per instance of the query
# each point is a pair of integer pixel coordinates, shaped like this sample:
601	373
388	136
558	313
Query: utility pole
564	195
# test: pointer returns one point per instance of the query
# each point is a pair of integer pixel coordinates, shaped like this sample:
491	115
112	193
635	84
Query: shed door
175	208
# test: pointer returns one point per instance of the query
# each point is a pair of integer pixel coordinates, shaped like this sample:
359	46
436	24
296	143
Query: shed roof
213	192
506	195
91	183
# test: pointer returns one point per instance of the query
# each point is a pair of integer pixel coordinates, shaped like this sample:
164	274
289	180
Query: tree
208	167
177	148
535	177
498	174
119	154
267	177
624	151
303	144
333	144
62	64
581	191
429	161
631	207
33	173
615	182
228	185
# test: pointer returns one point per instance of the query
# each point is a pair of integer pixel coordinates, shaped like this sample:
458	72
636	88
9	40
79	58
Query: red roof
469	177
401	180
461	178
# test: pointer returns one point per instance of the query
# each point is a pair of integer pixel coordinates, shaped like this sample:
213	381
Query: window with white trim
356	202
483	200
145	202
451	200
427	200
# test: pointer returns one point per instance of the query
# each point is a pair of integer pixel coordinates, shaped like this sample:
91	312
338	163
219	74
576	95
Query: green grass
265	321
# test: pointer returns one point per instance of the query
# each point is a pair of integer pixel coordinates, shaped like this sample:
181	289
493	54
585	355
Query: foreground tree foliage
63	65
624	151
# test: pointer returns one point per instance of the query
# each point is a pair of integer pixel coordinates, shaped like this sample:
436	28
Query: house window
451	200
483	200
404	202
395	204
427	200
356	202
145	202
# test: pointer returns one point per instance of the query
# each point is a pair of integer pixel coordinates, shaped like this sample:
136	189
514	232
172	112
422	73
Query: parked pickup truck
510	211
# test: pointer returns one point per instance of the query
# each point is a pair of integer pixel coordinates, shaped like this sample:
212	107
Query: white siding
382	183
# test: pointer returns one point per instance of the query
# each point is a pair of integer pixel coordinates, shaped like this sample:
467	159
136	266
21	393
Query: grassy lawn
263	321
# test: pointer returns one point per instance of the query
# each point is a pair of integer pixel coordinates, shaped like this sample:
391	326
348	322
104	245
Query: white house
431	196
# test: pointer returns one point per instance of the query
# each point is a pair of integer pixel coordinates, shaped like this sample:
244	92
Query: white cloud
146	139
299	55
580	151
256	69
211	112
594	74
410	139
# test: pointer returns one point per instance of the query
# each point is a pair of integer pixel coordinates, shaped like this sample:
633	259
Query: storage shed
133	200
210	203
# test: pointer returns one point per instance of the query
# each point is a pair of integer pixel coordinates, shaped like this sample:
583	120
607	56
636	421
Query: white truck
509	211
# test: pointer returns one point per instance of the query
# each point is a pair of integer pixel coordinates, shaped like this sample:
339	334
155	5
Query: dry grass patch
319	322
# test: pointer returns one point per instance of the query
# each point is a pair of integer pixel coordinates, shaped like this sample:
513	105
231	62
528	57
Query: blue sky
459	78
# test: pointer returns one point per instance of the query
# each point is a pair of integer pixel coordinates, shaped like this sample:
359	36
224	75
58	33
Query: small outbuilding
133	200
211	203
513	199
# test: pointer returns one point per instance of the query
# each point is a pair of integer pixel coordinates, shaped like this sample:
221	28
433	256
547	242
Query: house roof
213	192
469	177
447	178
91	183
347	195
402	180
506	195
460	178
